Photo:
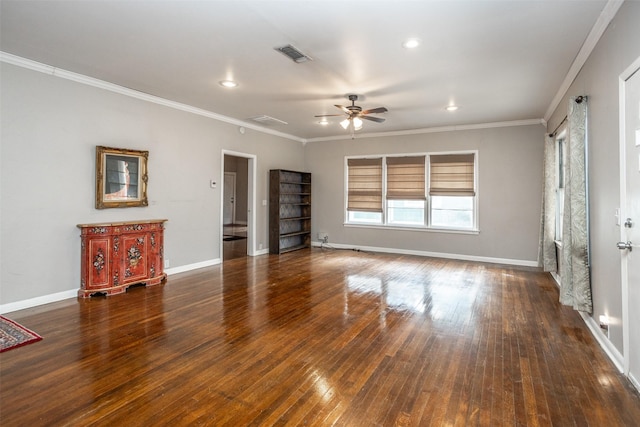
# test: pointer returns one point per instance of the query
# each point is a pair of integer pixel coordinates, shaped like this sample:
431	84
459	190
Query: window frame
427	224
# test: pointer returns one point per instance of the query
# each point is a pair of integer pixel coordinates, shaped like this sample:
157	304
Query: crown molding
606	16
101	84
453	128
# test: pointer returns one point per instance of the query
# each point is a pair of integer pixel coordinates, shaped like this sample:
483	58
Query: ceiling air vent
267	120
293	53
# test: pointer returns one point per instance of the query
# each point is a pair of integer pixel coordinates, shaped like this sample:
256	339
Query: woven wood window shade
405	178
452	175
365	185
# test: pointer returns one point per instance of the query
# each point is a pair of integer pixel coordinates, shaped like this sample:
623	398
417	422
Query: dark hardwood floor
318	337
234	244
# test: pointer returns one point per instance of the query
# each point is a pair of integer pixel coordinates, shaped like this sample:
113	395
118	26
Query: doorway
237	202
630	217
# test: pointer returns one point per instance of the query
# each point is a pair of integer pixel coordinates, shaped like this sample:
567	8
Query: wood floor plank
318	337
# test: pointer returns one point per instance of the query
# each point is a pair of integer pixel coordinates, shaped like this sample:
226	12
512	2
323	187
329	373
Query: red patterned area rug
13	335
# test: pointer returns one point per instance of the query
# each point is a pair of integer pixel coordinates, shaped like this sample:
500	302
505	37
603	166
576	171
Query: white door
630	229
229	198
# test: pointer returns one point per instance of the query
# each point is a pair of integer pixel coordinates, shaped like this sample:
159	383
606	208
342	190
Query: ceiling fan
355	114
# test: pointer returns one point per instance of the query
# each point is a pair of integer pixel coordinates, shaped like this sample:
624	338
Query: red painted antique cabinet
120	254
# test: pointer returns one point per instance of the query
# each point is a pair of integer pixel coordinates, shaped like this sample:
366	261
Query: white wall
49	130
617	49
510	192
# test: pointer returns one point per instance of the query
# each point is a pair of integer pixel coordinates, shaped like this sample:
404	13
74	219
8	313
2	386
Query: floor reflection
134	337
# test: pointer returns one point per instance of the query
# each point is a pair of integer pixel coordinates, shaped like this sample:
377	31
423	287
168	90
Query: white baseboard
33	302
634	381
73	293
491	260
616	357
194	266
261	252
613	353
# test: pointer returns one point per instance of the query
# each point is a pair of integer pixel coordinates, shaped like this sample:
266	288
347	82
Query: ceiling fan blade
345	109
373	119
375	110
329	115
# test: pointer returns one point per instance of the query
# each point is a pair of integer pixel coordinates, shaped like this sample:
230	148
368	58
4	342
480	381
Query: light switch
264	203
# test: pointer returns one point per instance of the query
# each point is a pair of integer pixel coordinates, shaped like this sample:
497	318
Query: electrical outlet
323	237
166	263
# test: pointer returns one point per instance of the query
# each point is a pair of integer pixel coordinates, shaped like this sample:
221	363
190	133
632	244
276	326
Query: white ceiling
498	60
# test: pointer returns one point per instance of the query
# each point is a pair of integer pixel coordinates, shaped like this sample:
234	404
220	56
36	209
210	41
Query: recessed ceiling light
228	83
452	108
411	43
323	122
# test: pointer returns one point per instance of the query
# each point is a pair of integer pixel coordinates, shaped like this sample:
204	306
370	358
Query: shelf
293	248
289	210
297	233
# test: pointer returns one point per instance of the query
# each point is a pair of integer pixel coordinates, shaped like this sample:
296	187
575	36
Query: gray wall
510	191
598	79
49	130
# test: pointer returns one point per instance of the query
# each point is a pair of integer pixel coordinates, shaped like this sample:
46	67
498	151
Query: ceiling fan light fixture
345	123
357	123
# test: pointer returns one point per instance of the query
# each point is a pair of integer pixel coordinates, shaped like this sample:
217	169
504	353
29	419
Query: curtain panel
575	287
548	230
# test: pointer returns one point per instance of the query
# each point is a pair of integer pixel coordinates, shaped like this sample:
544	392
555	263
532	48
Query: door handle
625	245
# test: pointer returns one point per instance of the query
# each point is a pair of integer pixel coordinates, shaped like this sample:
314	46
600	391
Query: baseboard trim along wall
507	261
73	293
34	302
194	266
613	353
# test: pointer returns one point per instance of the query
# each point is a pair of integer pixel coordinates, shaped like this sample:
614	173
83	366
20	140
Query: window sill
409	228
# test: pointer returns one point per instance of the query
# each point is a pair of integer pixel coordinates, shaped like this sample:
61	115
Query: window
452	211
392	191
364	194
405	190
561	156
452	190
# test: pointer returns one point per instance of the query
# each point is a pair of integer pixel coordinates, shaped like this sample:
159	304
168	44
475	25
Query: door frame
251	200
630	71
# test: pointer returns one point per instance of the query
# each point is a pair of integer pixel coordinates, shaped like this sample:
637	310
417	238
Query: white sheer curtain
575	287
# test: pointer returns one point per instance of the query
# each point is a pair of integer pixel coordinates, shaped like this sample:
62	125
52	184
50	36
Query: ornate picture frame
121	178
